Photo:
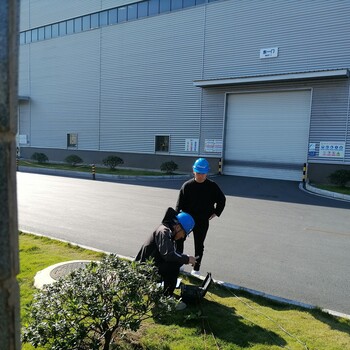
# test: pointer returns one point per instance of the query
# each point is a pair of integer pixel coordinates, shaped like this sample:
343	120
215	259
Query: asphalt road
272	237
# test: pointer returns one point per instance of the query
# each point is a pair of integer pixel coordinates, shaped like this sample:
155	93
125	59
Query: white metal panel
267	134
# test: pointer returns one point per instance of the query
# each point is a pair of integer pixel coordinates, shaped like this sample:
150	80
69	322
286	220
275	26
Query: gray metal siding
147	73
65	90
311	35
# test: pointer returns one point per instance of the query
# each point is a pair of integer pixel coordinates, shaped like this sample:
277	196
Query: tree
73	159
93	307
169	167
112	162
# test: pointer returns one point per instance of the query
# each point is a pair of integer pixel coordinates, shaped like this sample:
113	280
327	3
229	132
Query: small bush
73	160
168	167
40	157
340	177
94	307
112	162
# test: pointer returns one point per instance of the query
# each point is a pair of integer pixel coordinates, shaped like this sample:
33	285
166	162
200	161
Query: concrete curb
324	193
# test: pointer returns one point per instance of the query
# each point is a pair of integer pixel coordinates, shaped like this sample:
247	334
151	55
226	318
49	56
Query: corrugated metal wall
119	86
310	36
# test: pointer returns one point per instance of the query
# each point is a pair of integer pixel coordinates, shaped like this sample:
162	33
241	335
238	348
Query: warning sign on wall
332	149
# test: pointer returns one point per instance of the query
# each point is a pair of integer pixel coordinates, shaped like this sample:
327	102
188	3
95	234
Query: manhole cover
66	269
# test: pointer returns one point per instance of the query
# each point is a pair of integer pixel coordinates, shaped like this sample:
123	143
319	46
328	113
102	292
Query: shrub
40	157
340	177
168	167
94	307
73	160
112	162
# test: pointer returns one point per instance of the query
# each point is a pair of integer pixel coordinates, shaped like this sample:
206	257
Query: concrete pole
9	262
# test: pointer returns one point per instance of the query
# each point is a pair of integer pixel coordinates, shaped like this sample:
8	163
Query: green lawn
226	319
88	169
333	188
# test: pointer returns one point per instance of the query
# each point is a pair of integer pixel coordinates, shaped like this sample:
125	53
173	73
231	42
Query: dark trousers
199	233
169	272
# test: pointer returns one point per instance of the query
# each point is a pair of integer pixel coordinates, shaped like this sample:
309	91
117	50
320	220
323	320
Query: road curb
324	193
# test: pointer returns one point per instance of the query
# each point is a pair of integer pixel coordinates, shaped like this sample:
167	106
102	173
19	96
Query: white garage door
266	134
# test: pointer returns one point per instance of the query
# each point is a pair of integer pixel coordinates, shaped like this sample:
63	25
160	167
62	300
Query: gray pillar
9	293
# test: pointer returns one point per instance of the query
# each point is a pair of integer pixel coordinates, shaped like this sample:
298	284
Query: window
176	4
113	16
142	9
164	6
162	143
70	26
34	35
54	30
132	12
72	140
28	36
77	25
103	18
122	12
47	32
41	33
153	7
86	22
188	3
22	38
95	20
63	28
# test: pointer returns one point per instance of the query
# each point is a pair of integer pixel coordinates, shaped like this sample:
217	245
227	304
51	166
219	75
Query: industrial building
258	87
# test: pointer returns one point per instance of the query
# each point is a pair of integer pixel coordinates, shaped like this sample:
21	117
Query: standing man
161	247
203	199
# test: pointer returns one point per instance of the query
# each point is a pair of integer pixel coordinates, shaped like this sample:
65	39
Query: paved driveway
272	237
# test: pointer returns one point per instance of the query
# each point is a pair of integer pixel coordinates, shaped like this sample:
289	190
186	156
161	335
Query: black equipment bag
194	294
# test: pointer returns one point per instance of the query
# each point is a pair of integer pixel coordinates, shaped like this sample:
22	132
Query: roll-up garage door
266	134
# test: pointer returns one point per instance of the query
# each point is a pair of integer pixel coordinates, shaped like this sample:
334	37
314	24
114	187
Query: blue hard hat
186	221
201	166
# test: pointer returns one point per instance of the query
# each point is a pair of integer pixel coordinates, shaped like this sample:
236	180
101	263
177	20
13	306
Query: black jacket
161	245
201	200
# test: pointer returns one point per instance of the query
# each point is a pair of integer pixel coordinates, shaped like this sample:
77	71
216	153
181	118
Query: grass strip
225	320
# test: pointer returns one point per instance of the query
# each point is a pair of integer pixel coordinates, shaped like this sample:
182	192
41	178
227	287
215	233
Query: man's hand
192	260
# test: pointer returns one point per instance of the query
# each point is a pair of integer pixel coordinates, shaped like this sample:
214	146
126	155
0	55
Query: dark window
103	18
113	16
94	20
41	33
142	9
63	28
122	14
72	140
164	6
198	2
47	32
86	22
189	3
153	7
34	35
70	26
176	4
162	143
54	30
77	25
132	12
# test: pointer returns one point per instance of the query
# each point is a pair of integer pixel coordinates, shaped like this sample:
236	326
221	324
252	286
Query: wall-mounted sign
269	52
312	149
191	145
213	145
332	149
